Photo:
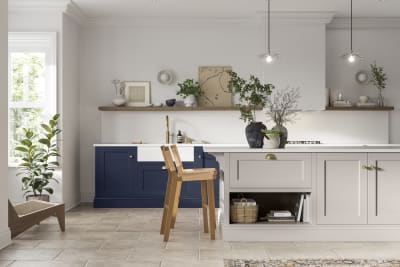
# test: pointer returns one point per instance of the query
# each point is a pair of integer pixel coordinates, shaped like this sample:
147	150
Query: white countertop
244	148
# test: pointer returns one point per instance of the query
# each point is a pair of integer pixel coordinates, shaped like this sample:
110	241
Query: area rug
311	263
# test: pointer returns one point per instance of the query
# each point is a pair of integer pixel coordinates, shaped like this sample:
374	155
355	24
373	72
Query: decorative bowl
170	102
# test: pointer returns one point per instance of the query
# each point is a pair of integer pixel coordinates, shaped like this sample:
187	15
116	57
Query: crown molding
365	23
281	18
48	6
37	5
75	13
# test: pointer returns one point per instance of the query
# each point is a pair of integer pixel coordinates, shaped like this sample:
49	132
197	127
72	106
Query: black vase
283	134
254	136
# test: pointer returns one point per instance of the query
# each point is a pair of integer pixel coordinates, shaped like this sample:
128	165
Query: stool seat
176	175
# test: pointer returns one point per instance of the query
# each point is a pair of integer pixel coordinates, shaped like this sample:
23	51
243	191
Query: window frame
34	42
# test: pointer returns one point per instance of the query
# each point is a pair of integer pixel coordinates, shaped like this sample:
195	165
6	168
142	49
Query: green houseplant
252	95
190	91
378	79
39	153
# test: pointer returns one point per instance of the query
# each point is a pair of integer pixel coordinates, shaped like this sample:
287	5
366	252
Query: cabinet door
255	170
342	188
384	188
115	171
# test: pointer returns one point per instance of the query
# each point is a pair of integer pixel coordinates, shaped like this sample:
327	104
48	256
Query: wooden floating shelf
165	108
360	108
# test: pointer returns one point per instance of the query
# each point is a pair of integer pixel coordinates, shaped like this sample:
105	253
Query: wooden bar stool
176	175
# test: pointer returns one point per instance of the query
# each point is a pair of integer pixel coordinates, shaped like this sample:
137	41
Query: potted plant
252	95
378	79
282	108
273	138
39	158
190	91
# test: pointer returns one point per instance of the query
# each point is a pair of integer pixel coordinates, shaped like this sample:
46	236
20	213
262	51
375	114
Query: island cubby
294	202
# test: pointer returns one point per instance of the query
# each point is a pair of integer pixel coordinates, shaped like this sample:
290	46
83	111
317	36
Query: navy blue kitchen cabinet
123	182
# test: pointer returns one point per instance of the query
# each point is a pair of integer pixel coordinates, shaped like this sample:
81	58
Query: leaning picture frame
137	94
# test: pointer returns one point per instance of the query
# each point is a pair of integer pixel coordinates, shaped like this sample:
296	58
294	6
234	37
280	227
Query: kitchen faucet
167	130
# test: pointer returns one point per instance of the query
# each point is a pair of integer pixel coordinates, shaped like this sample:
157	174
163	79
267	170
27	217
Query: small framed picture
137	94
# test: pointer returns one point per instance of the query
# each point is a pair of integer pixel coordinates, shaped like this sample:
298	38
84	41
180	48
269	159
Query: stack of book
281	216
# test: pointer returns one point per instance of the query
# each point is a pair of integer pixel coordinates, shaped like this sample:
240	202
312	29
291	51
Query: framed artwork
137	94
213	82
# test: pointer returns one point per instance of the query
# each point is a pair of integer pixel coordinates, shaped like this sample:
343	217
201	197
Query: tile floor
130	237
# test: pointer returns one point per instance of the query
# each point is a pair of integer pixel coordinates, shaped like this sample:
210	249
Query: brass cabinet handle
372	168
368	168
271	157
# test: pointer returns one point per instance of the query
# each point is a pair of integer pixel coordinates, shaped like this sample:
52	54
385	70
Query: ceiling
232	8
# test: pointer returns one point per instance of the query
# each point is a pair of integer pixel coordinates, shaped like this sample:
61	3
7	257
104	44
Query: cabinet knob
199	156
271	157
131	156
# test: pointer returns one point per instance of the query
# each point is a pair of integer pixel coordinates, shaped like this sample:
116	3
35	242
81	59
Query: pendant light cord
269	25
351	26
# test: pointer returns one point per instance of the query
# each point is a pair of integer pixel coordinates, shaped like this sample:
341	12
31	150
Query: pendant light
268	56
351	57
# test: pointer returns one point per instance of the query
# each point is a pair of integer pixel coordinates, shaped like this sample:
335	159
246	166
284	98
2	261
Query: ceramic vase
119	100
272	141
283	135
254	136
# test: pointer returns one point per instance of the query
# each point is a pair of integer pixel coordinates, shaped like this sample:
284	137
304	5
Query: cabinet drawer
254	170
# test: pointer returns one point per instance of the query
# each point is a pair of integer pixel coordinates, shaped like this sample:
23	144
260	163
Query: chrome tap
167	130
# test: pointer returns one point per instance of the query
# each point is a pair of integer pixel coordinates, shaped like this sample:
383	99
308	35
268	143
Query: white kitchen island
353	190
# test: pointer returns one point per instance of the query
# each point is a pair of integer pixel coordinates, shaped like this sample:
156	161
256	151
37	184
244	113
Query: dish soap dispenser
179	137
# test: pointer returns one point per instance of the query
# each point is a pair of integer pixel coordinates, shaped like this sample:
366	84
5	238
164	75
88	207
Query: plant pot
190	101
38	197
254	136
272	141
283	135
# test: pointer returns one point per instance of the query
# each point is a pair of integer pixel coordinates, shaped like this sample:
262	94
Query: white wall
380	44
67	190
34	21
224	127
5	236
138	52
70	111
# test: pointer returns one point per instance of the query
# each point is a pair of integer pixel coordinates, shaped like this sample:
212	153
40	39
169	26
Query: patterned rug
312	263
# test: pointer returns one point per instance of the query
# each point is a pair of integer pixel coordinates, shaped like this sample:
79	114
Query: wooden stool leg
211	207
204	205
168	219
176	203
166	205
61	219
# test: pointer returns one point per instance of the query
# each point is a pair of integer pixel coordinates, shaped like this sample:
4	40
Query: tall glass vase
380	101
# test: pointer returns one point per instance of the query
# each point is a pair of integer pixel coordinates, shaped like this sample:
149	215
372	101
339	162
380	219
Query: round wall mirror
362	77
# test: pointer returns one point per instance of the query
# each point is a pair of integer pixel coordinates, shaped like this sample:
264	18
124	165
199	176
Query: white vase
190	101
119	100
272	142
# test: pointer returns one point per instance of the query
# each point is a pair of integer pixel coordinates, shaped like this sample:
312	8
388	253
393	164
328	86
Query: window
32	84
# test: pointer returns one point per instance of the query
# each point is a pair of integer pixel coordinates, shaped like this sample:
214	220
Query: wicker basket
241	212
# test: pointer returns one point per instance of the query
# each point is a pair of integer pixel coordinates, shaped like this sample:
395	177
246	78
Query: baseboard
5	238
70	207
87	197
